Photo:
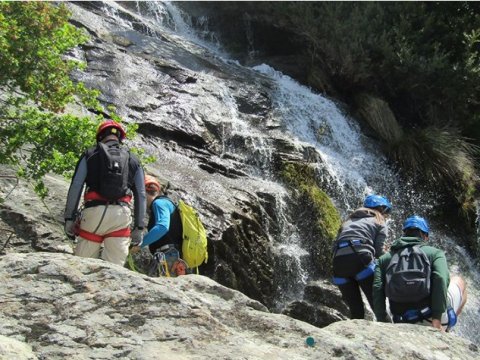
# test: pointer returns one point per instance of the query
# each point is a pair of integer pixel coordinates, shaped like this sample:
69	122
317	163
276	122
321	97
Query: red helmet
115	129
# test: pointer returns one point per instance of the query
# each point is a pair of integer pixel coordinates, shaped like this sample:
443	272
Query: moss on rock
301	176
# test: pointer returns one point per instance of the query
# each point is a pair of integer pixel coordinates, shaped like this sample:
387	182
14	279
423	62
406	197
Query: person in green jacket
446	295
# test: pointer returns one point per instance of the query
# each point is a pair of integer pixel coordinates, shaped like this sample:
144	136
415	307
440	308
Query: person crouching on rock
415	278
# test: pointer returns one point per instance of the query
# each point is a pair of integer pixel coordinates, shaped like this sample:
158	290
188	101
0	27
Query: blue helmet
416	222
373	201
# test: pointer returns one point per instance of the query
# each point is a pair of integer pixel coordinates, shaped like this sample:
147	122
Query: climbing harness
362	275
167	262
415	316
92	236
368	271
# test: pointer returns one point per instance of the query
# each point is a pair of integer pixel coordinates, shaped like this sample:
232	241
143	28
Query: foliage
379	117
448	154
34	78
36	135
41	142
327	219
422	58
34	36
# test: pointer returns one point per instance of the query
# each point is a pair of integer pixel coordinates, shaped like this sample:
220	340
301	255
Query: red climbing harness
99	238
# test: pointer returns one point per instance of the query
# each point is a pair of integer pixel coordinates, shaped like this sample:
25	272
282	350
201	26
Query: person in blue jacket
164	226
359	241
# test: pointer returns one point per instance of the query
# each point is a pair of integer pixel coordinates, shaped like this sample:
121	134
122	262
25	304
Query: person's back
367	225
438	283
112	176
417	299
359	242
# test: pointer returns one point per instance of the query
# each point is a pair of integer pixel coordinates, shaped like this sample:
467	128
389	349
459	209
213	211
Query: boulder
64	306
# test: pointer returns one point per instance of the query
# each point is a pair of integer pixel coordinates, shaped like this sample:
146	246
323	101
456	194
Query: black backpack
113	172
408	276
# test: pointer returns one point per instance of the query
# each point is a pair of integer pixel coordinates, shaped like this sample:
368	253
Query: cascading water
349	168
256	146
313	120
292	259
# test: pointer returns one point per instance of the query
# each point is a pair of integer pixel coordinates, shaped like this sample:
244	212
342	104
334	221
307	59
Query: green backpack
194	244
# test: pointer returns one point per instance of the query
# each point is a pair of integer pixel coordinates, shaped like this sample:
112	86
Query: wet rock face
191	109
252	35
181	99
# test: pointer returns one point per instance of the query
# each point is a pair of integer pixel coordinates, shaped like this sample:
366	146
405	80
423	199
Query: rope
160	266
131	263
16	183
8	240
164	265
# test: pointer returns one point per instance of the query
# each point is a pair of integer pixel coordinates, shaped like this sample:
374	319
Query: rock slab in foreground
63	306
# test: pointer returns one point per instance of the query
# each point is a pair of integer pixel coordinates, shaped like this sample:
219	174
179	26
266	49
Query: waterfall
256	149
291	258
350	167
313	120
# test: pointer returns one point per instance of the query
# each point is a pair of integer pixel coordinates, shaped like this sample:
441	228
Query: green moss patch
301	177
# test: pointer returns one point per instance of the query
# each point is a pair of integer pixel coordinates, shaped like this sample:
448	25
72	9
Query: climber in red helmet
112	176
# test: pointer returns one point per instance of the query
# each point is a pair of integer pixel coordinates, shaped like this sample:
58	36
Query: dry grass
439	153
380	117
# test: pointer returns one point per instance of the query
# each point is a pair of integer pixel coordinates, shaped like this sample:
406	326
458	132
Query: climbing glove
69	228
137	236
